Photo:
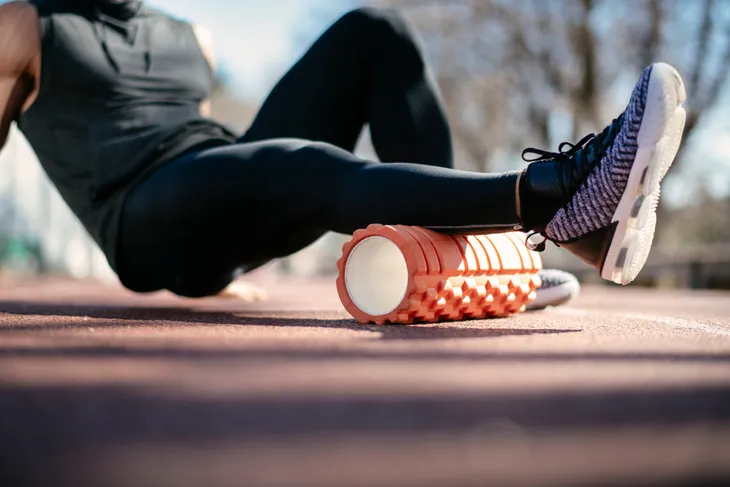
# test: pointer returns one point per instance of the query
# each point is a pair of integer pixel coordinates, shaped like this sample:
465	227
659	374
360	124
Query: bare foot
243	291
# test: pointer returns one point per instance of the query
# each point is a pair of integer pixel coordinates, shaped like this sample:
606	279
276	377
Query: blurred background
513	74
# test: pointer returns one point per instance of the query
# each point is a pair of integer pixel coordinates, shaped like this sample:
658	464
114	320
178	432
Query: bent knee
380	22
374	15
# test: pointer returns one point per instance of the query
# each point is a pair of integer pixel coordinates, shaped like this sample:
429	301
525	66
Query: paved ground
102	388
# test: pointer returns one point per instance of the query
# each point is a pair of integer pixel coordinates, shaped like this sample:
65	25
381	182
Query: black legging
292	177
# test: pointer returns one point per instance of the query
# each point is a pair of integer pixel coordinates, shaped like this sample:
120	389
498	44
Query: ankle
533	209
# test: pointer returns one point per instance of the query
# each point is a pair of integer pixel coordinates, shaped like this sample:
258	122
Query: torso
110	99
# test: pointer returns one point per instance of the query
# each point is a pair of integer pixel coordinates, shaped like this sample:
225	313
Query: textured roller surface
449	277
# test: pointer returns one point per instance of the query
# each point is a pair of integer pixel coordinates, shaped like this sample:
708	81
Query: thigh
323	97
194	221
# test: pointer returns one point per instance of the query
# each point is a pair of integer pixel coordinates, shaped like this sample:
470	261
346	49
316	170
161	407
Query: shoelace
593	143
562	154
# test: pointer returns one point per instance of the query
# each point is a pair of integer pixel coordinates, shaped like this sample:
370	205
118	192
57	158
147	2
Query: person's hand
243	291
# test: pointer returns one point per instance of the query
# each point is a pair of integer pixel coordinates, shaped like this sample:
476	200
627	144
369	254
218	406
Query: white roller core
376	276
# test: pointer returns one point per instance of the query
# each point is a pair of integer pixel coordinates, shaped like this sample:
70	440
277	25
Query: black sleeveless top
119	95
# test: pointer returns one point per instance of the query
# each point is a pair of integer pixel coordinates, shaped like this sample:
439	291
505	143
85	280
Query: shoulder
205	39
18	11
172	22
43	8
165	17
203	34
19	27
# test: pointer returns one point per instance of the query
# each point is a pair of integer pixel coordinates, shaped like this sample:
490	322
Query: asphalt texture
100	387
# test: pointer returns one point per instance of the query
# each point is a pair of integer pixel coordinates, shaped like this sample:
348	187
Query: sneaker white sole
659	138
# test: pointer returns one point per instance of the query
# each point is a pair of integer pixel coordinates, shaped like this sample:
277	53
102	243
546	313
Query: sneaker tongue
546	179
589	156
552	183
611	131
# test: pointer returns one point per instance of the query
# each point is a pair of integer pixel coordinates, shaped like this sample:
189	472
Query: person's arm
205	39
20	49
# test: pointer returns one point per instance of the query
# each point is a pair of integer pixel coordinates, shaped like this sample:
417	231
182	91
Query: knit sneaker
557	288
606	187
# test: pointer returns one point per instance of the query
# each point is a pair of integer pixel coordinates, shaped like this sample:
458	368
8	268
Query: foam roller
405	274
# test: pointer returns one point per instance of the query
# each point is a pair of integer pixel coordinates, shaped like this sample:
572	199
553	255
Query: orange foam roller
403	274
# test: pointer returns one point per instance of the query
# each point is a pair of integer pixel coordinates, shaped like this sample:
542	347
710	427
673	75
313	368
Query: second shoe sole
659	139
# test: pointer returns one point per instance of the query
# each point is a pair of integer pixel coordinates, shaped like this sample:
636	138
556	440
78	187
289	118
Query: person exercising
112	96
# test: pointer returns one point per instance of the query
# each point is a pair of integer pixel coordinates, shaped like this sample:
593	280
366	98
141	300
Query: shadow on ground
116	317
42	424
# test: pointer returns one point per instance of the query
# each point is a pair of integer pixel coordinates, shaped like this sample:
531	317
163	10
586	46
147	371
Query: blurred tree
707	222
535	72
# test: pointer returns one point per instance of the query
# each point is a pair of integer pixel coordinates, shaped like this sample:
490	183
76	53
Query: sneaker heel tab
536	246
